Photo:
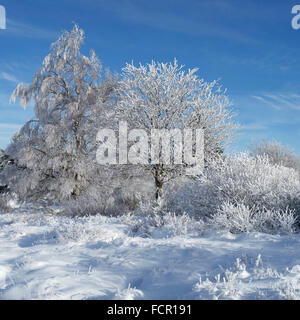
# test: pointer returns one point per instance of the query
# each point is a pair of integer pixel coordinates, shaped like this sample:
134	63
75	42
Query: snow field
46	256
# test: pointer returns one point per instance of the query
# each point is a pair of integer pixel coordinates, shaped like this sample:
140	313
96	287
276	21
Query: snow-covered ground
46	256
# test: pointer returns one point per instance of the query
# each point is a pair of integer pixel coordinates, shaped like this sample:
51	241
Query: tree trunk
76	190
158	186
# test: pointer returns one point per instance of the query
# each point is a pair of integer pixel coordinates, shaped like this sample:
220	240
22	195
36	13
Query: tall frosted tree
164	96
53	151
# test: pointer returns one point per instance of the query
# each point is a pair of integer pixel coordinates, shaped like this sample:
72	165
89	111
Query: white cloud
280	101
155	17
255	126
285	100
267	102
29	31
8	77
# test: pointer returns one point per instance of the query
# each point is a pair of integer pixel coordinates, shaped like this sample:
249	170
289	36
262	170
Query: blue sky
249	45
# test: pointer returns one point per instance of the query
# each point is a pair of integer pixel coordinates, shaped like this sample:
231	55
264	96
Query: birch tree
53	150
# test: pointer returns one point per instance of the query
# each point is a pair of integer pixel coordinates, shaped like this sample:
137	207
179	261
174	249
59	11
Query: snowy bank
45	256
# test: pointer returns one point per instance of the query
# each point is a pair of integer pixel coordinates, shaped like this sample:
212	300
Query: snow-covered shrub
240	218
246	279
163	224
125	201
242	181
235	218
178	225
110	204
277	154
83	206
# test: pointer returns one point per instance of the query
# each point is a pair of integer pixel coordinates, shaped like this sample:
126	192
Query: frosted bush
112	203
177	225
83	206
276	221
247	280
277	154
161	225
243	181
240	218
234	218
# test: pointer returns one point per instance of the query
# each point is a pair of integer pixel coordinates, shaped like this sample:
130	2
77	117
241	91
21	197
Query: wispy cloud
8	77
280	101
267	102
26	30
268	115
280	60
285	100
165	18
254	126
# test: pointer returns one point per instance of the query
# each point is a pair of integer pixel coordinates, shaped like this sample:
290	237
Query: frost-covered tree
277	154
53	151
164	96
